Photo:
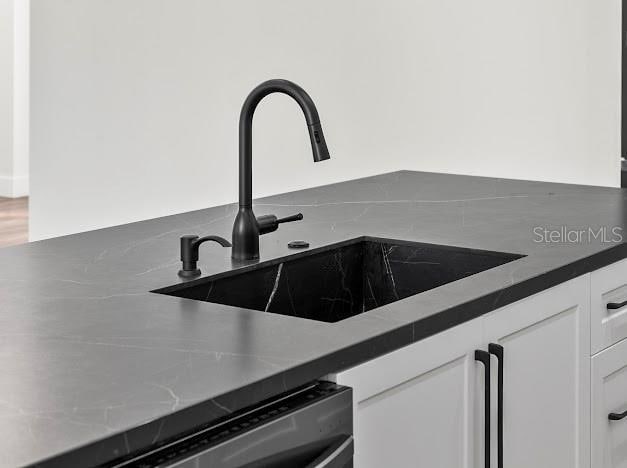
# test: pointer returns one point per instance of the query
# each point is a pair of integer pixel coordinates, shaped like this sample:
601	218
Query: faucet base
245	235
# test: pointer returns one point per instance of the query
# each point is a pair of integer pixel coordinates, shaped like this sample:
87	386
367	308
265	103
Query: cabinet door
609	395
546	378
415	407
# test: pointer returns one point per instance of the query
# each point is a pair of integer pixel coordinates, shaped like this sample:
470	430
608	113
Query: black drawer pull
484	358
498	351
616	416
616	305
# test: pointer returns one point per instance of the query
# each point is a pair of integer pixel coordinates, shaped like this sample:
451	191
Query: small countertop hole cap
298	244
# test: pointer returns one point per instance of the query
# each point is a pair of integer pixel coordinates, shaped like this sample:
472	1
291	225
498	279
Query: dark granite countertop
95	366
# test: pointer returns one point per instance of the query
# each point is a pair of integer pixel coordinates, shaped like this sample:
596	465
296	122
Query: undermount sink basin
338	281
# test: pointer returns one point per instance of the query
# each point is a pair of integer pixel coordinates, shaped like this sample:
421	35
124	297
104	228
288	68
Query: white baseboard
20	186
13	187
6	186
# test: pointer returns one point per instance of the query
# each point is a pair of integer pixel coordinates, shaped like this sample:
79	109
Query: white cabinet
608	303
546	378
609	395
423	405
414	407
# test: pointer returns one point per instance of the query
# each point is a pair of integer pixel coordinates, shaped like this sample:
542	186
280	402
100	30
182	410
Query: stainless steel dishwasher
310	427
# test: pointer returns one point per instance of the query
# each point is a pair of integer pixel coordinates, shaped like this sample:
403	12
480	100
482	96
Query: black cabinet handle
497	350
484	357
616	416
616	305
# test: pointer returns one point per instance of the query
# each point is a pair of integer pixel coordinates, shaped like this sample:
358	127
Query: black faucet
247	227
189	253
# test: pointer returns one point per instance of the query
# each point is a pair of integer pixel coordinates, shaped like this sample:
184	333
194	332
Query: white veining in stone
275	287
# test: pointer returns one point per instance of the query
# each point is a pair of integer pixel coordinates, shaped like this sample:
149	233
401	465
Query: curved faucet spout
318	143
246	227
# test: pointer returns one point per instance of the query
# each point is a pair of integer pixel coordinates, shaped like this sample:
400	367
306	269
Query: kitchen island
96	366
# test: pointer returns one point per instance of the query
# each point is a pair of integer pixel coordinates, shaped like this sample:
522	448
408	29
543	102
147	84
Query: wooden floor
13	221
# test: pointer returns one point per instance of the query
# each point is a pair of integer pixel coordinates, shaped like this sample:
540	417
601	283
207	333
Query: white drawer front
608	325
609	395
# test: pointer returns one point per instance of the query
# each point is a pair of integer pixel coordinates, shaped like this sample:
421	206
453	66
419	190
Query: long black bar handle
616	416
616	305
484	357
497	350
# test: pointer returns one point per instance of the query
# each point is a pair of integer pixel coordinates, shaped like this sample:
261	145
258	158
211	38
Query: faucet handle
289	219
270	223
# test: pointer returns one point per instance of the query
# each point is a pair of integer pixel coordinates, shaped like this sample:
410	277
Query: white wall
135	102
14	64
21	97
6	97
